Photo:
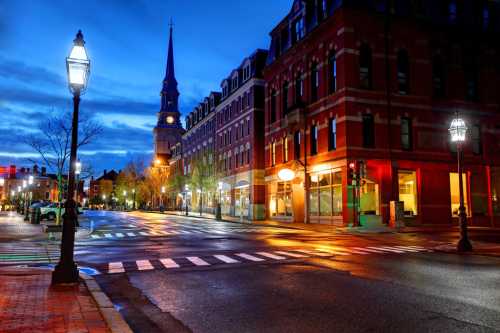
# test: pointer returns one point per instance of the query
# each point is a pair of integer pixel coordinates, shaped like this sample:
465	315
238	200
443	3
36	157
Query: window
248	126
273	106
438	84
285	149
477	147
299	88
403	72
368	131
246	72
455	193
325	193
406	134
332	61
452	11
314	82
296	145
237	132
280	200
365	67
285	97
314	140
332	131
298	30
235	83
407	181
248	155
273	153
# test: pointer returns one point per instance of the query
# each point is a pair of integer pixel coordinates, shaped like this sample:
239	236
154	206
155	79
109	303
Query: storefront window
325	193
407	181
455	193
280	203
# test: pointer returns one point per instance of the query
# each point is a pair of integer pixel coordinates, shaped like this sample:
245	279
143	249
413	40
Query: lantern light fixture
458	130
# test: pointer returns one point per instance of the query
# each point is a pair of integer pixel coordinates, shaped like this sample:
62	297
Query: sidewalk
28	303
478	248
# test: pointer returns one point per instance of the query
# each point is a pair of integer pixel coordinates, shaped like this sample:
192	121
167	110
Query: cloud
22	72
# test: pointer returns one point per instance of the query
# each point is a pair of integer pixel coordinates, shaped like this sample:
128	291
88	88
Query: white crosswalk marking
249	257
270	255
108	235
185	232
382	248
144	265
316	253
95	236
131	234
142	233
368	250
115	267
169	263
290	254
352	250
120	235
404	248
198	261
226	259
154	233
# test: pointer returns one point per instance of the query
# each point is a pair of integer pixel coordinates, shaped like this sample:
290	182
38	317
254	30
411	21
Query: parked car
49	212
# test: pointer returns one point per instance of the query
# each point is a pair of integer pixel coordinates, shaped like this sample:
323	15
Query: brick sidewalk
29	304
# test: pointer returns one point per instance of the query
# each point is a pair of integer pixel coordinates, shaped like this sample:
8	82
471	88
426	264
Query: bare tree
52	142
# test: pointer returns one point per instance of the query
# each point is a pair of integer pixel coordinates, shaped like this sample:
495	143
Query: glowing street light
78	168
78	68
286	175
458	132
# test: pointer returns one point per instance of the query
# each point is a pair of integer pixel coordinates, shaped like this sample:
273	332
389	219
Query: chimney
105	172
44	171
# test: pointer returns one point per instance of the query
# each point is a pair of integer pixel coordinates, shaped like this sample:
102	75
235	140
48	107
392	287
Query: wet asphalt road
362	283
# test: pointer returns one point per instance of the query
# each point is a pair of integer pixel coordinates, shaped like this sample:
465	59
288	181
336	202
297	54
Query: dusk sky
127	44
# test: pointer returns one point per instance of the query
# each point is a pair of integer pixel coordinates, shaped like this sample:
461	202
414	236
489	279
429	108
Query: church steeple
168	130
169	92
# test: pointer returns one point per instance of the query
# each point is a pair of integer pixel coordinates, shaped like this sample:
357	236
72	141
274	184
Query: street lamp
78	68
218	213
125	199
29	182
186	190
133	192
78	171
458	131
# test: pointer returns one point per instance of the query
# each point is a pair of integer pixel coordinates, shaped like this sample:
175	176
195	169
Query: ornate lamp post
186	189
28	197
458	131
78	67
218	212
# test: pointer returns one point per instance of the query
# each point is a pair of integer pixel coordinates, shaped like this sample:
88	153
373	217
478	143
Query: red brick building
356	81
240	140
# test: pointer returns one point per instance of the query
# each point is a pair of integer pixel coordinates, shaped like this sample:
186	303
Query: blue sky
127	43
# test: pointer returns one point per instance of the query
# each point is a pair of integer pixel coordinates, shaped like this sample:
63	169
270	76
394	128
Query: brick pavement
28	303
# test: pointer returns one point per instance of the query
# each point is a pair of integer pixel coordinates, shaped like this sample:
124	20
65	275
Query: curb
111	316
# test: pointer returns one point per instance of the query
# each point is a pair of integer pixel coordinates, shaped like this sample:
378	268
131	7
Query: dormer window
297	30
246	72
225	89
234	84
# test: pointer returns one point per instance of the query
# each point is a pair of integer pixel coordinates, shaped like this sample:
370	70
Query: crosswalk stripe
164	232
115	267
154	233
381	248
290	254
317	253
198	261
413	247
249	257
131	234
404	248
142	233
120	235
352	250
108	235
95	236
185	232
144	265
169	263
226	259
368	250
270	255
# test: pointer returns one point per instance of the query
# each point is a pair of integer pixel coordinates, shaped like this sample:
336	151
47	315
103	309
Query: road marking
404	248
143	233
154	233
381	248
368	250
293	255
108	235
131	234
144	265
411	247
249	257
270	255
352	250
169	263
164	232
321	253
95	236
226	259
120	235
115	267
198	261
185	232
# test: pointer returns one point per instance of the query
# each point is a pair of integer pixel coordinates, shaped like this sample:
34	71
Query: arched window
403	73
285	97
332	63
365	66
273	106
314	82
438	77
299	88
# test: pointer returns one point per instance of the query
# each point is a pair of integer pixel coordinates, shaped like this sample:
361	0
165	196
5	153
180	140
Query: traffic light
351	173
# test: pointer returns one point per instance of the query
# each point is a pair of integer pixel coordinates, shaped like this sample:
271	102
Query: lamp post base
464	245
66	273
